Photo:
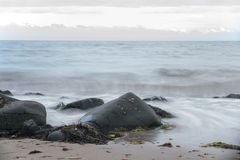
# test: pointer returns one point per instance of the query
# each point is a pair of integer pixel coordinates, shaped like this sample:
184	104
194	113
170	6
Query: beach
20	149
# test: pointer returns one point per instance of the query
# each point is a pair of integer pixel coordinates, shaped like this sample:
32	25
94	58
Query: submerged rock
14	115
127	111
84	104
161	113
59	106
6	100
33	94
233	96
6	92
156	98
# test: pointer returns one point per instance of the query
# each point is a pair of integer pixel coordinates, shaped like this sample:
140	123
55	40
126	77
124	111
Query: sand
20	149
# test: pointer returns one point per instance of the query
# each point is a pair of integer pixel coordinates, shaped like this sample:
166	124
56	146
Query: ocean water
187	73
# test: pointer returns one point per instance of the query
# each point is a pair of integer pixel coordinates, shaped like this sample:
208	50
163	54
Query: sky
120	20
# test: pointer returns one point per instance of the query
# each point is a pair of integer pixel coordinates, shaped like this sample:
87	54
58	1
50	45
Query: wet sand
20	149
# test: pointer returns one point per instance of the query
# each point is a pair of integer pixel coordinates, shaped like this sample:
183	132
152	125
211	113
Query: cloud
182	18
124	3
156	23
61	32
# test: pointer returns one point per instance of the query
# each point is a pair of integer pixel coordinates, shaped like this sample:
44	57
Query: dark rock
13	115
56	136
161	113
127	111
6	92
235	96
43	132
216	97
166	145
34	152
34	94
85	104
6	100
83	134
156	98
60	106
29	128
65	149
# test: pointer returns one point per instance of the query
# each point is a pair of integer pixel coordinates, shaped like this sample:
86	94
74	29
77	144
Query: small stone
65	149
34	152
166	145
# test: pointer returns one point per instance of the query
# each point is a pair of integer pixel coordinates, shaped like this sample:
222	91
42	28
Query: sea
188	74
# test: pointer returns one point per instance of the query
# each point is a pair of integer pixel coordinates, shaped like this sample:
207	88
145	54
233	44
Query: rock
34	152
6	100
127	111
85	104
29	128
6	92
13	115
235	96
161	113
83	134
56	136
166	145
34	94
156	98
60	106
216	97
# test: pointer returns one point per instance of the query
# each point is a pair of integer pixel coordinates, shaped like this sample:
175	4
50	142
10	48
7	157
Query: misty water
187	73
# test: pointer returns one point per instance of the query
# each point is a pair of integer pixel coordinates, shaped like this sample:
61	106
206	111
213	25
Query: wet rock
222	145
6	100
166	145
161	113
34	152
13	115
156	98
29	128
127	111
60	106
85	104
83	134
56	136
6	92
33	94
235	96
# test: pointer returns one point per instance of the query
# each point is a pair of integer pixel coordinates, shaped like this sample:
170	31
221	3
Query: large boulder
6	100
13	116
84	104
127	111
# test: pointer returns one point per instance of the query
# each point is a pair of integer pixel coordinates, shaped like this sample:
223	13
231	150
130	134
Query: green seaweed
214	144
166	126
136	142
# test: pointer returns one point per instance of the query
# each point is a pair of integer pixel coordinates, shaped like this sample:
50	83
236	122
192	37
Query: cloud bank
214	22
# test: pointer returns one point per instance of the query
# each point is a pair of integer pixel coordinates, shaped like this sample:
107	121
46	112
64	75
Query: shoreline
20	149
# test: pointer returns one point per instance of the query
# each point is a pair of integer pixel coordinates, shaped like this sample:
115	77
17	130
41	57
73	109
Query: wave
116	83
